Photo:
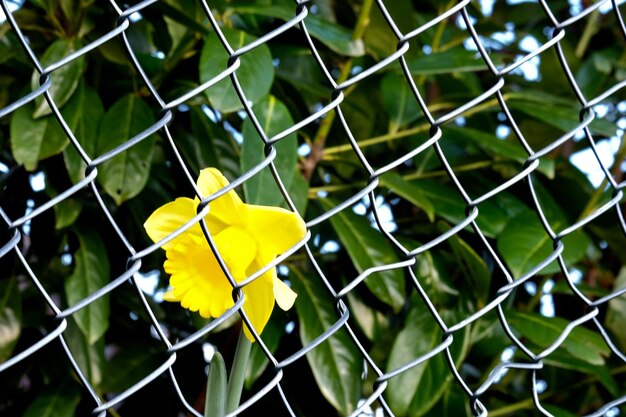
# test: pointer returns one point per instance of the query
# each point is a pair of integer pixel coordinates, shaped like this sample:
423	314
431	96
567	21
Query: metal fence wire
533	363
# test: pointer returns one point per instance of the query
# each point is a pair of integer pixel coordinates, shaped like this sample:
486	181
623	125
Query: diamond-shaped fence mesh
390	375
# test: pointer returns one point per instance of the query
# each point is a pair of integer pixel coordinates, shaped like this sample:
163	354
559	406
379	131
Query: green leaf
66	212
564	360
258	361
400	104
91	272
255	74
409	191
125	175
129	366
551	111
299	193
332	35
415	391
475	271
262	189
336	363
499	148
493	215
450	61
88	356
35	139
64	79
215	399
616	312
10	317
55	400
581	343
367	248
83	114
524	244
199	147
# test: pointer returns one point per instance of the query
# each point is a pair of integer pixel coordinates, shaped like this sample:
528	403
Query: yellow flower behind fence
247	237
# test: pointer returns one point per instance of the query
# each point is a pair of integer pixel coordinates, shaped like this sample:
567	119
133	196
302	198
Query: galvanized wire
534	362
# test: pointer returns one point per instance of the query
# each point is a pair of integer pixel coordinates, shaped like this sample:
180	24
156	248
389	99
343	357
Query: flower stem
238	373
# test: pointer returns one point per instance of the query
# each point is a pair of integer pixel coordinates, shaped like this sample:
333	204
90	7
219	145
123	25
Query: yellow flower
247	237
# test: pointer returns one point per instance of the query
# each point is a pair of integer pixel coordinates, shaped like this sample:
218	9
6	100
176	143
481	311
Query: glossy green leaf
415	391
400	103
332	35
409	191
83	114
494	214
255	74
64	79
616	313
215	399
524	244
450	61
91	272
274	118
10	317
367	248
553	112
125	175
35	139
336	363
88	356
55	400
581	343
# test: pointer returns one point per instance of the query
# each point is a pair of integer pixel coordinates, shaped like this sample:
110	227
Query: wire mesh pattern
534	361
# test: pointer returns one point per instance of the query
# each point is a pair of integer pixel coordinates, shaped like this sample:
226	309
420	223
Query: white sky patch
148	283
37	181
587	163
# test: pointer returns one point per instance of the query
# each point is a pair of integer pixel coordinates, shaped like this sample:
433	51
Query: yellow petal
259	303
238	250
197	280
285	296
275	228
226	209
169	217
169	296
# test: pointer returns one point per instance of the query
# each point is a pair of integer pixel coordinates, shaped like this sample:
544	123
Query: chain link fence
18	236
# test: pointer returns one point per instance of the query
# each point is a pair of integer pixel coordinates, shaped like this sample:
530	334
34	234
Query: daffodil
247	237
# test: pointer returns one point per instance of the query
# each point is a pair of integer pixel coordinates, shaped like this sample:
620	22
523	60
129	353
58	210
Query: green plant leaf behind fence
215	398
35	139
273	117
83	114
415	391
88	356
255	73
524	244
64	79
336	363
367	248
400	104
581	343
125	175
91	272
55	400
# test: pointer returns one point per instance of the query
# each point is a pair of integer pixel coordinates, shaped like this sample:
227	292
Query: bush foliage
73	250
